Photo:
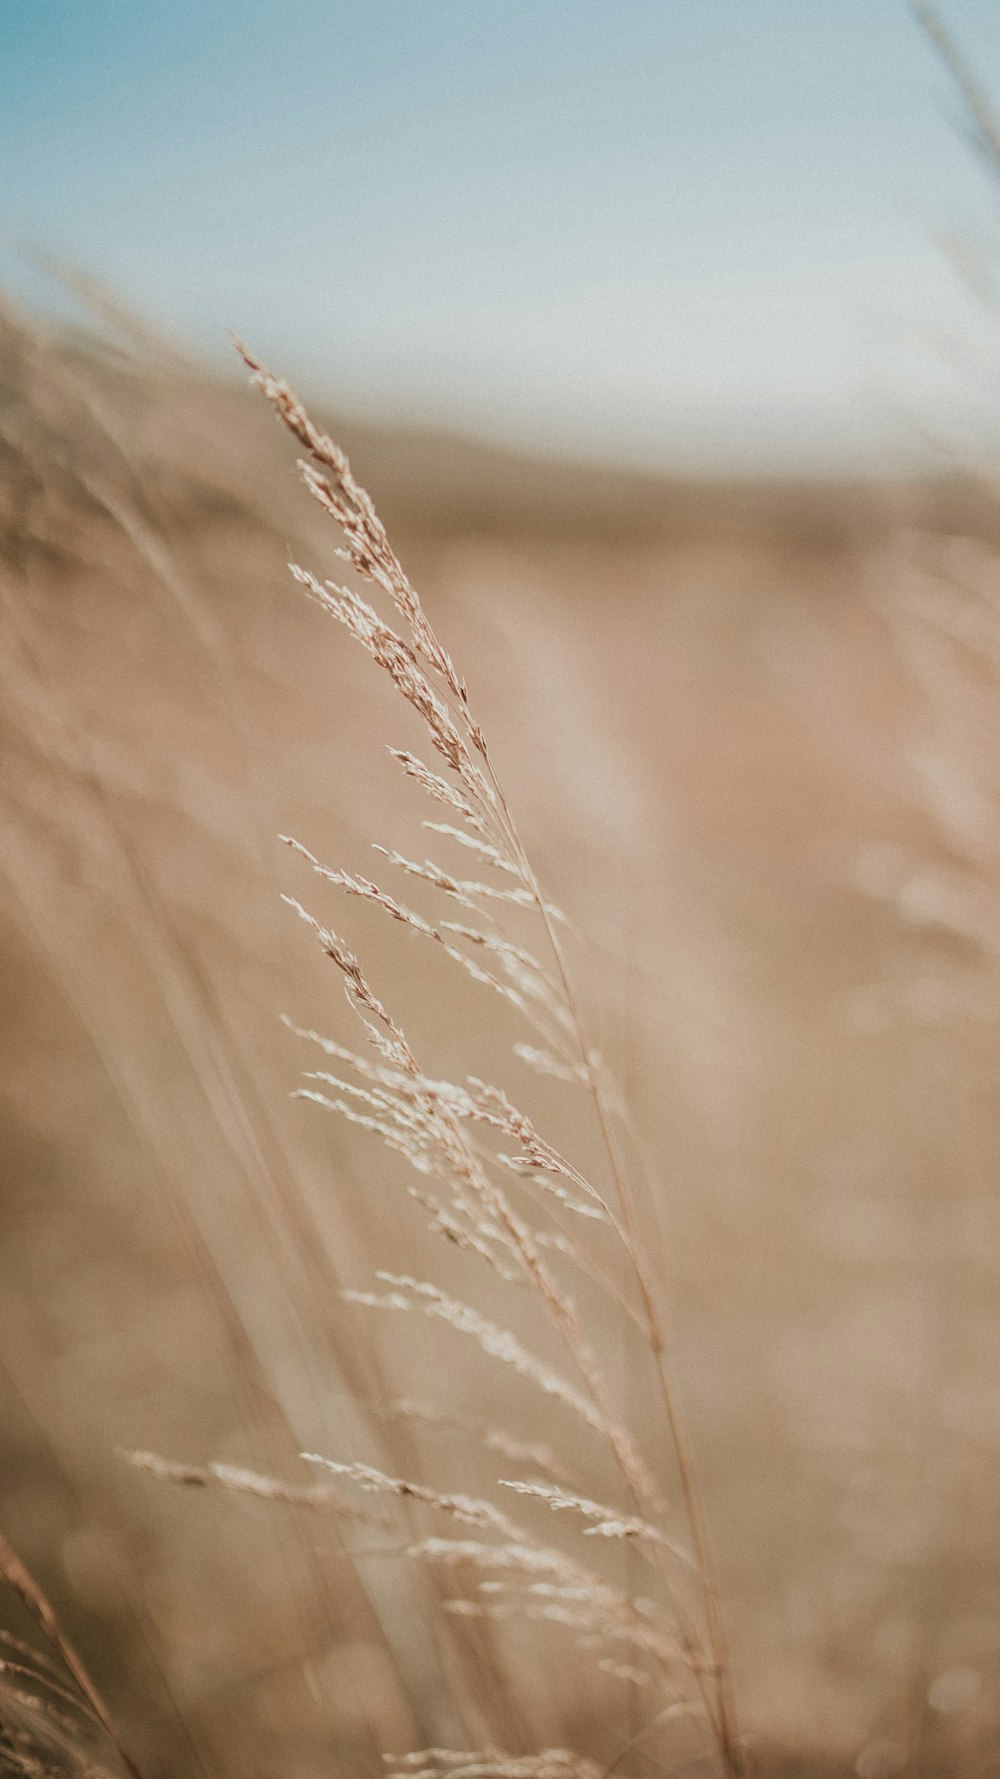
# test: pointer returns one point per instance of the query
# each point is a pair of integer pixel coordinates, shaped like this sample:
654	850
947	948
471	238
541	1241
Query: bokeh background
689	236
664	339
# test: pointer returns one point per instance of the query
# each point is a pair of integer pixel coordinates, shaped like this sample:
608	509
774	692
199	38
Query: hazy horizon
701	240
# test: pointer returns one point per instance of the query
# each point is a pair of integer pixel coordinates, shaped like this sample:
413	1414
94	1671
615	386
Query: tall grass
517	1207
50	1709
435	1546
442	1556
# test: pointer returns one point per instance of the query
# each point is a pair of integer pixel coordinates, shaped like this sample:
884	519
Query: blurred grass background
762	780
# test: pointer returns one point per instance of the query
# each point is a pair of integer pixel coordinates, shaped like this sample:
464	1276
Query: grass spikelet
238	1481
498	1343
467	1509
492	1763
607	1523
438	788
481	847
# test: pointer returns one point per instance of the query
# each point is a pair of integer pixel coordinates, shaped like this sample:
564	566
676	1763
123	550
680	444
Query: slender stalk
722	1717
424	673
13	1571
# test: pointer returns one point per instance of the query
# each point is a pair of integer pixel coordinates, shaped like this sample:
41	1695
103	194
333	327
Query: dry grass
466	1140
43	1720
774	823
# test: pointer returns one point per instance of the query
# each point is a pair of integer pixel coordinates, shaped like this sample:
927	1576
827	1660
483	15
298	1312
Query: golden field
749	733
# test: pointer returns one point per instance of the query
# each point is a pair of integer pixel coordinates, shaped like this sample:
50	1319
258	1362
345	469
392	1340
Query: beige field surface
750	737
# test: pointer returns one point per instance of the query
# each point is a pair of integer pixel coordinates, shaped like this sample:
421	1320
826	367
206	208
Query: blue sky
701	233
